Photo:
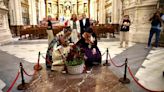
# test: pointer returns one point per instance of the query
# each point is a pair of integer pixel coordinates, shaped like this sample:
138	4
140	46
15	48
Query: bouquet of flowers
75	56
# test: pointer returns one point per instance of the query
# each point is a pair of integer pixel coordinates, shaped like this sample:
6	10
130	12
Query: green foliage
75	56
75	62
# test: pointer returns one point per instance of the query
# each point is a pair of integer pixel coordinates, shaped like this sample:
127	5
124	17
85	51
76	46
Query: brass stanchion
125	80
38	67
23	85
107	63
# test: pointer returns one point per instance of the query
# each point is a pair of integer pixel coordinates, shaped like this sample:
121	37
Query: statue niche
67	9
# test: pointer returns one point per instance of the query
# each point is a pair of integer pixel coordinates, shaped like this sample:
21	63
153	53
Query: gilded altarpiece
65	8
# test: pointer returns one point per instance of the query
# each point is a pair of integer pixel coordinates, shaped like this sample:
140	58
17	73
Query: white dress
75	32
59	52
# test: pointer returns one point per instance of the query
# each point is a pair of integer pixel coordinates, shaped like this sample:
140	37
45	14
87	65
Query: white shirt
84	21
162	17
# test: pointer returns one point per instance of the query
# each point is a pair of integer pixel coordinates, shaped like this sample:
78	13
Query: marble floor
2	85
101	79
150	75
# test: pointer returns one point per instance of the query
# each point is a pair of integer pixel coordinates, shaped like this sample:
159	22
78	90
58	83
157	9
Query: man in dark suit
84	23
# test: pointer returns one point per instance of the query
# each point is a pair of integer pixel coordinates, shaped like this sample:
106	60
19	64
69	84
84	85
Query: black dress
49	25
91	58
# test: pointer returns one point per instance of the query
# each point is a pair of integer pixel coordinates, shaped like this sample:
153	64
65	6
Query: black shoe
88	69
48	66
96	63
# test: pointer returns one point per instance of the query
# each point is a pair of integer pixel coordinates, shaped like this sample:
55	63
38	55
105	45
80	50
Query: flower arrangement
75	56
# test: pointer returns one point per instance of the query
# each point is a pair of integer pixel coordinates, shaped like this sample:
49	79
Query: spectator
84	24
49	30
124	32
156	24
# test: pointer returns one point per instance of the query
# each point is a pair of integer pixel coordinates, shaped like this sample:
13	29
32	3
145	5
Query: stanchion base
106	64
23	86
124	81
37	67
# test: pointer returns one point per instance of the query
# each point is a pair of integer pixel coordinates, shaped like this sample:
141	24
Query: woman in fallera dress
59	43
89	43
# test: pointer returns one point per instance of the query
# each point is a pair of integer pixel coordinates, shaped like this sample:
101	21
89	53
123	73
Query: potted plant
75	60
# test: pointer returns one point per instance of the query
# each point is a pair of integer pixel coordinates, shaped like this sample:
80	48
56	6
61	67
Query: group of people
77	32
80	33
156	27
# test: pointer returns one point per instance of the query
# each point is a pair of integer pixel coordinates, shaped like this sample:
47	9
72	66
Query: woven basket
75	69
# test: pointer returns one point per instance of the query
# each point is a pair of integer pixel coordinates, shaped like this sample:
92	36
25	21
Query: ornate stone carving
1	20
2	4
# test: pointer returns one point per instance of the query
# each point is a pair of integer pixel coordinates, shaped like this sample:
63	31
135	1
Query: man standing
84	24
49	30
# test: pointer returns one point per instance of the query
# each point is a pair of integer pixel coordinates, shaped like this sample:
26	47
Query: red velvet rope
114	63
46	59
139	83
29	74
16	78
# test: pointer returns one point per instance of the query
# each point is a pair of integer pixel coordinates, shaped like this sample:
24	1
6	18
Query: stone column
95	10
32	12
102	12
41	10
116	7
92	10
15	12
5	35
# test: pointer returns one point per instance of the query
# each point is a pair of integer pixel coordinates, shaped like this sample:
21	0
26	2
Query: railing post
125	80
38	67
107	54
23	85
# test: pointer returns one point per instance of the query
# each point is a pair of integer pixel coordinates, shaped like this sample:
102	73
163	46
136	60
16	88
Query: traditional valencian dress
92	59
56	53
75	26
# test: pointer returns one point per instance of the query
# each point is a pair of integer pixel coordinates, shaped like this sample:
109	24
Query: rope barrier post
23	85
38	67
107	63
125	80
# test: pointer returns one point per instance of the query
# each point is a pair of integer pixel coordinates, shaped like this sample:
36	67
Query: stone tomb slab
101	79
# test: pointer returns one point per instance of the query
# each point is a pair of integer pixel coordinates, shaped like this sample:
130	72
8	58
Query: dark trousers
157	35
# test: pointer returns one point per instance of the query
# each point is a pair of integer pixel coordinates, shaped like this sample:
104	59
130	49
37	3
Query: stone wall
140	12
5	35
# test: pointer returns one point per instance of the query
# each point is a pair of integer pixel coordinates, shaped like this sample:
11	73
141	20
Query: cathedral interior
32	31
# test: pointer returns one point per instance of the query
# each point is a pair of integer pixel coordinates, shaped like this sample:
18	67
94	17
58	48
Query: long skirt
92	58
49	53
50	36
74	36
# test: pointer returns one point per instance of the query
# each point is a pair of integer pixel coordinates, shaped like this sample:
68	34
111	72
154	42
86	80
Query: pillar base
106	64
23	86
124	81
37	67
